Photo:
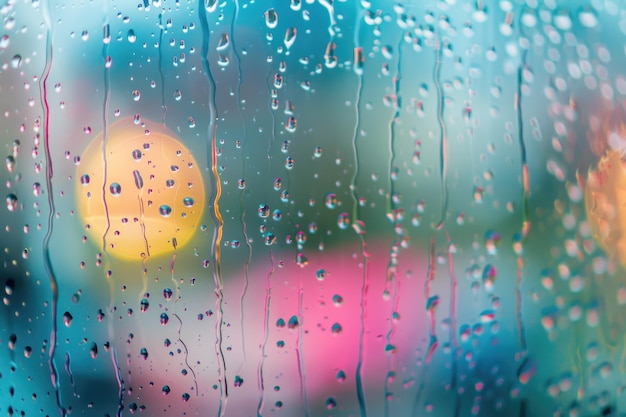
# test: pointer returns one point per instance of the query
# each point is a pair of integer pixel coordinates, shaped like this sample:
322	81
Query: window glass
313	208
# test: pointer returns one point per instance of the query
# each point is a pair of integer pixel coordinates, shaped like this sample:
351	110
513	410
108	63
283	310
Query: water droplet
271	18
320	274
165	390
178	95
238	381
16	61
290	37
336	328
11	202
223	42
115	189
170	183
188	202
289	162
165	210
136	154
343	221
4	41
10	163
280	323
241	184
293	322
136	95
331	403
337	300
36	189
84	179
138	179
164	319
331	200
67	319
263	211
144	305
167	293
131	36
144	353
587	17
93	351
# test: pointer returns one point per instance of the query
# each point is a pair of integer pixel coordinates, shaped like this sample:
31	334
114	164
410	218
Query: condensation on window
313	208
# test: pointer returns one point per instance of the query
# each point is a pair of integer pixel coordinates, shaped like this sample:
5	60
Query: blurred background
406	209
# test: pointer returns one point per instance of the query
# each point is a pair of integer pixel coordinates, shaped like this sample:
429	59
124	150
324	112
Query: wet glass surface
313	208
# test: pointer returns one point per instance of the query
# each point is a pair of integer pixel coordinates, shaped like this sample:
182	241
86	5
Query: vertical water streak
54	289
391	275
358	225
68	371
300	354
453	326
163	105
431	300
266	330
120	383
219	222
242	204
443	137
525	194
180	339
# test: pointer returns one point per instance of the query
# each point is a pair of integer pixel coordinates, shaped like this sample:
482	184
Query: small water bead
278	184
10	163
331	200
84	179
241	184
170	183
164	319
136	94
343	221
12	202
317	152
289	162
167	293
37	189
263	211
336	328
166	390
136	154
337	300
188	202
277	215
67	319
115	189
165	210
143	353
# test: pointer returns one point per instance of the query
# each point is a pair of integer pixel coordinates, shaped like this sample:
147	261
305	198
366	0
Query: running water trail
266	330
525	194
443	136
358	225
391	284
207	8
453	326
242	194
431	301
106	39
300	354
43	87
162	77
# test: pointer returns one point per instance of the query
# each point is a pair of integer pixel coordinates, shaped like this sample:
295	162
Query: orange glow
149	184
605	200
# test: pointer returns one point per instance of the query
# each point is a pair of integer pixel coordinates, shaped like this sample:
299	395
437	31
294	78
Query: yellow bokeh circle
141	194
